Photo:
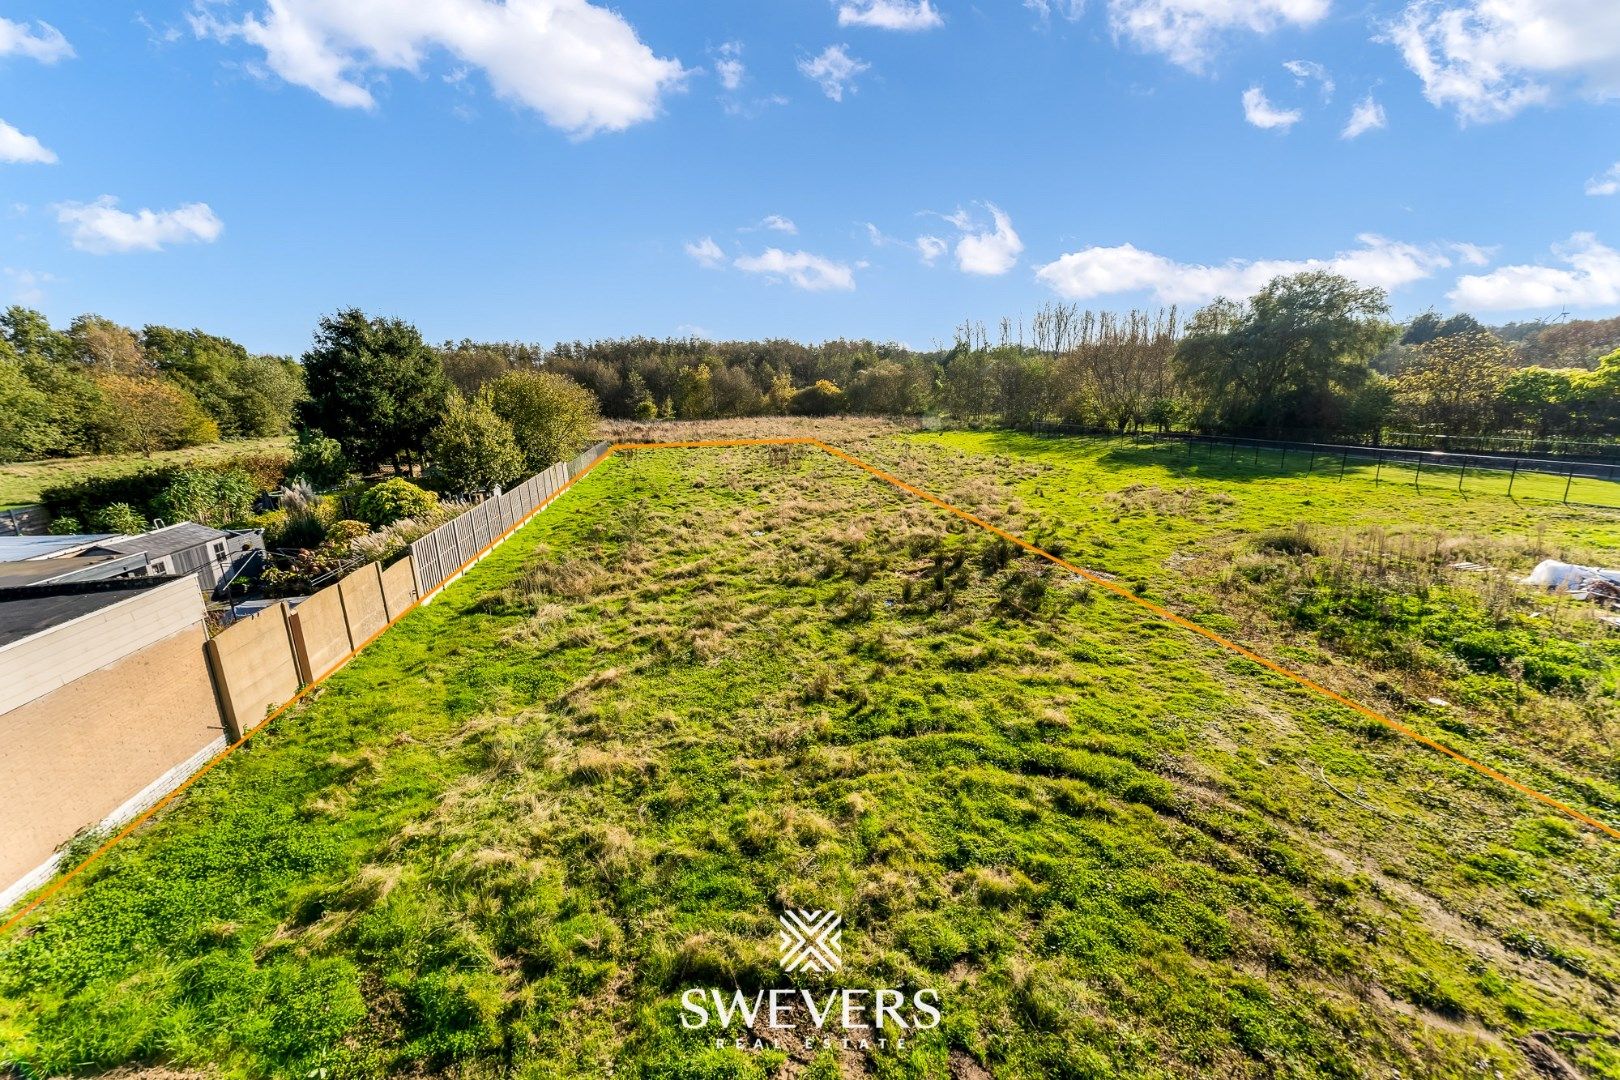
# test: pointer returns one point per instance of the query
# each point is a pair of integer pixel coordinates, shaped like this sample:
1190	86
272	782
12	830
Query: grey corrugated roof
164	541
18	548
38	571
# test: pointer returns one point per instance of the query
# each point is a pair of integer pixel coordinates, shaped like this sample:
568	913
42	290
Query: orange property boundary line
888	478
1169	616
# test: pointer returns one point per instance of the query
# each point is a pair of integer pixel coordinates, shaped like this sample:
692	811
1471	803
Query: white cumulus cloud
1188	32
101	228
730	67
834	70
19	149
1489	59
578	65
706	252
890	14
1260	112
987	251
778	223
1367	116
1101	271
45	43
1606	183
1589	277
804	270
930	248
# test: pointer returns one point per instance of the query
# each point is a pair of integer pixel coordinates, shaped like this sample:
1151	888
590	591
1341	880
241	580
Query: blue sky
557	169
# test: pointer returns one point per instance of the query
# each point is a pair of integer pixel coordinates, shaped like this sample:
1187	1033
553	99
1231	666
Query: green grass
1420	476
705	687
21	483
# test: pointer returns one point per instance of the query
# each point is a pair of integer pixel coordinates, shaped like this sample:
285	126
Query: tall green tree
248	396
471	364
1598	394
1456	384
1291	357
1542	399
144	413
27	424
374	386
694	393
1431	325
551	417
889	388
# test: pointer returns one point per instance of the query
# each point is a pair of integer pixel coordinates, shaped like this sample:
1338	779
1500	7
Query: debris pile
1592	583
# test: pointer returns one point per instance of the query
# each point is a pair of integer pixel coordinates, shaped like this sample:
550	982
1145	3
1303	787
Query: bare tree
1119	363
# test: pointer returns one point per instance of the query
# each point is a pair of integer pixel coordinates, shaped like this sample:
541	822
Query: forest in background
1309	353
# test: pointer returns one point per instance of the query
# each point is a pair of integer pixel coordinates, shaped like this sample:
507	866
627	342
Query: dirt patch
1545	1058
965	1068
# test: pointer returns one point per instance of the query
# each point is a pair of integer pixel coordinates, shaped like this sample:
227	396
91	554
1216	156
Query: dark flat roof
25	612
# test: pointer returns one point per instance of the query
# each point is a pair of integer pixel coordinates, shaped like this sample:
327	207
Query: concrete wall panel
254	669
363	604
399	588
320	634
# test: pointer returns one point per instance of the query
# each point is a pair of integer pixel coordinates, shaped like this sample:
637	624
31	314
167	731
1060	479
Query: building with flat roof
185	548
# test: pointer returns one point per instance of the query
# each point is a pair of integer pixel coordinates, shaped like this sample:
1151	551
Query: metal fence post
1462	472
1378	473
1417	477
1514	475
1344	461
1567	483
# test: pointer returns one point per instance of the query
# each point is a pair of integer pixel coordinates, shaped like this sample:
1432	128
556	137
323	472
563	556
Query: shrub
85	498
66	525
394	499
343	534
1296	542
120	518
207	497
319	460
473	448
822	399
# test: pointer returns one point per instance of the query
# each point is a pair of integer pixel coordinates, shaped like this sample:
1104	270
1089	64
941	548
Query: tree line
100	388
1311	352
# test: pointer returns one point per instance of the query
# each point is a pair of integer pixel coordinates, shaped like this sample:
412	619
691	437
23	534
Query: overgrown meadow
712	684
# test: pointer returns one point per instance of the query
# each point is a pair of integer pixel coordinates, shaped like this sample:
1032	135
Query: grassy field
1425	473
21	483
713	684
